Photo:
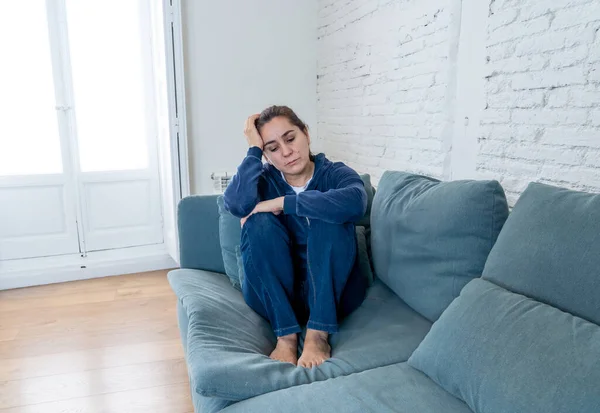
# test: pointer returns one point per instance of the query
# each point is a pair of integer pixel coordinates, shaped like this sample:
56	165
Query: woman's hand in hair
252	135
272	205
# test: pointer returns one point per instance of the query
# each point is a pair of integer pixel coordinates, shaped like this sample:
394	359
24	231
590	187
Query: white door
113	92
170	88
37	189
78	128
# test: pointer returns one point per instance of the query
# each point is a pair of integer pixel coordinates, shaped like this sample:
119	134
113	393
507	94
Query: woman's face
285	146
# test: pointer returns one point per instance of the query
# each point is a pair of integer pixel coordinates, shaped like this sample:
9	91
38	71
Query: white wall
542	119
240	57
384	83
503	89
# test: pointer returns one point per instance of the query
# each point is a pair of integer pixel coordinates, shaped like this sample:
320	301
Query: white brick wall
545	113
382	84
387	89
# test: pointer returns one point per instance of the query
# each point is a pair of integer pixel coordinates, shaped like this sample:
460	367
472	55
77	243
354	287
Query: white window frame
46	270
176	92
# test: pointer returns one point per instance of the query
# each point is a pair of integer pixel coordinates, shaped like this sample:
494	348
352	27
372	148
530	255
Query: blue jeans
291	280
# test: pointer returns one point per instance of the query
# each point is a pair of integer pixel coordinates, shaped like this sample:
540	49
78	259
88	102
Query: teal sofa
471	310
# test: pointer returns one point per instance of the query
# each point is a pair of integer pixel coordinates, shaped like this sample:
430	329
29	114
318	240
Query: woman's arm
346	203
241	195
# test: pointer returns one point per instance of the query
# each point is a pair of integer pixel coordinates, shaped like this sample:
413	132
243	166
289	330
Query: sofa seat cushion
228	344
397	388
201	404
503	352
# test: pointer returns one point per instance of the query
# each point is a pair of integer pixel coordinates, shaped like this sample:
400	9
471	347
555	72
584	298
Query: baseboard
95	267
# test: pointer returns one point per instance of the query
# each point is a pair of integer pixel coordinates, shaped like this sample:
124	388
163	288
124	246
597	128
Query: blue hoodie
335	194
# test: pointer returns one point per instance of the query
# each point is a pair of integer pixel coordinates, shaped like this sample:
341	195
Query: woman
298	237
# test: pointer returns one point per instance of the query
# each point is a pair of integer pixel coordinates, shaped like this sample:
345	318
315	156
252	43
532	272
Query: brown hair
274	111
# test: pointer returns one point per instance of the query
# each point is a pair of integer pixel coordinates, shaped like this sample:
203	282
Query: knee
333	232
261	225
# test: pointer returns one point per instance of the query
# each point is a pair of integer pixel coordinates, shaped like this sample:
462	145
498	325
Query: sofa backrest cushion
364	261
230	232
503	352
430	238
198	227
365	220
549	250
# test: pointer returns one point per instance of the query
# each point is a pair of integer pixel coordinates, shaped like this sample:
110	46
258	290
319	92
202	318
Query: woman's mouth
292	162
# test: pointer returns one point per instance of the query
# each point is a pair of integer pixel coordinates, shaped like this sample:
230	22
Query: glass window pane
29	138
109	69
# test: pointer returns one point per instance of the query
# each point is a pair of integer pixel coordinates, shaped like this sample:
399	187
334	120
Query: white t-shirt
297	189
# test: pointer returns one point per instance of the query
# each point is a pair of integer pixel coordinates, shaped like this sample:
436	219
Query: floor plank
95	284
88	317
143	291
97	358
162	399
160	329
16	303
91	382
7	334
102	345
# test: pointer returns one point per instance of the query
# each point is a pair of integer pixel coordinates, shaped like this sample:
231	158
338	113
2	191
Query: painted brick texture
382	84
543	95
385	89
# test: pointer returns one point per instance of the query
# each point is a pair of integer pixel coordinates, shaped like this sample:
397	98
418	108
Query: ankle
290	339
316	335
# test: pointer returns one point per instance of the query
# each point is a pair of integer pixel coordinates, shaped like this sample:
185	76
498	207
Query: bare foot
316	349
286	349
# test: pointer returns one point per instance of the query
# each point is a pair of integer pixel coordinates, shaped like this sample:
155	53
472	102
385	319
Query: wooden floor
104	345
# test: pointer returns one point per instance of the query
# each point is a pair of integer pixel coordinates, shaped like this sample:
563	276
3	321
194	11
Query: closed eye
274	148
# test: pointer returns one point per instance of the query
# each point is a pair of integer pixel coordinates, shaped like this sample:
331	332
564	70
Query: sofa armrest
198	224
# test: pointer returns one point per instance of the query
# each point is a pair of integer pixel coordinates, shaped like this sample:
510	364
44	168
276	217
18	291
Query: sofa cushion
228	344
430	238
391	389
364	261
198	228
549	250
201	403
230	232
365	220
503	352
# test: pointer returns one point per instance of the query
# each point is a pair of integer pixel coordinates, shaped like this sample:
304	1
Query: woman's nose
286	150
